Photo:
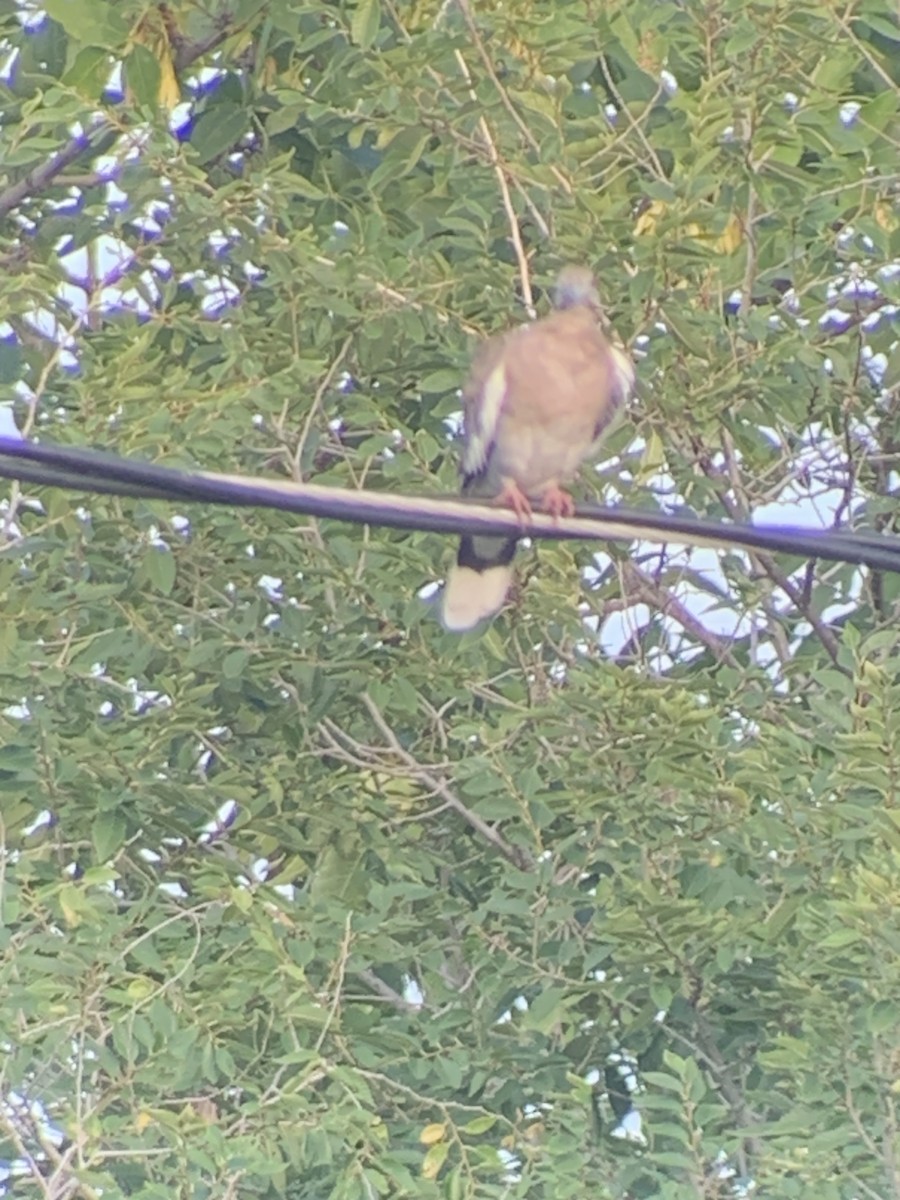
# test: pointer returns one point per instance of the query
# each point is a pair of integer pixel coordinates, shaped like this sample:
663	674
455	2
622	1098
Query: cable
104	473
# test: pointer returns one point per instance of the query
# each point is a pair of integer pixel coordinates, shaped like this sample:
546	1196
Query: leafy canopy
325	902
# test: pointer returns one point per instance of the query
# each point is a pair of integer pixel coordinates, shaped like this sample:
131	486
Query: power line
100	472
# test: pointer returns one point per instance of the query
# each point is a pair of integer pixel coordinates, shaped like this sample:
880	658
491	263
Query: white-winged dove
536	400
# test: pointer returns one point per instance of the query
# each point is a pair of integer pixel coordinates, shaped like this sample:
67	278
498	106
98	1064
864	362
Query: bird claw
513	497
554	501
557	503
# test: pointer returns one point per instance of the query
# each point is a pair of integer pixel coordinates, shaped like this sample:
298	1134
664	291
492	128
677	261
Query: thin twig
60	344
327	379
737	508
478	42
863	49
640	586
398	297
635	126
749	282
338	986
743	1115
439	786
380	988
514	231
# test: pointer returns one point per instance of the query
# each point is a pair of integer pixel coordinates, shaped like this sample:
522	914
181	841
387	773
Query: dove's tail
478	583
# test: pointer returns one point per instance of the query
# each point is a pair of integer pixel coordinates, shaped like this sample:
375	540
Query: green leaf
234	664
547	1008
881	25
884	1016
107	835
305	188
479	1125
159	569
365	23
11	361
218	130
685	328
434	1159
90	22
142	75
444	380
879	111
89	73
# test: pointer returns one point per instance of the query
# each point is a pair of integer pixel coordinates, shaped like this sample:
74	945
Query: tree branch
370	756
42	176
36	180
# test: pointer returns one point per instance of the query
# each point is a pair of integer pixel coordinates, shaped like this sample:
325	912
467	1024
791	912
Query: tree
325	902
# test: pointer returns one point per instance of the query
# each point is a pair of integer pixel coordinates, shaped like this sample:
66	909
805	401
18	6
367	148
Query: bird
536	400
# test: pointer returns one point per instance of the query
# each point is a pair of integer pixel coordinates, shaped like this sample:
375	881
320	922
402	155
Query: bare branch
640	586
514	231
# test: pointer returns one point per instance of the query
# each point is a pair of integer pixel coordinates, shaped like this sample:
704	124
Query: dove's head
575	285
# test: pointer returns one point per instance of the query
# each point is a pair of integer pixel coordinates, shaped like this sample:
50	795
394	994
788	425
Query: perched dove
537	399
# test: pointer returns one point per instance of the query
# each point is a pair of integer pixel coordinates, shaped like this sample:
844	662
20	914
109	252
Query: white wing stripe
623	370
486	410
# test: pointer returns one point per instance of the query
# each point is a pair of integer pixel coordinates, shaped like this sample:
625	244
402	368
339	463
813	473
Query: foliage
324	901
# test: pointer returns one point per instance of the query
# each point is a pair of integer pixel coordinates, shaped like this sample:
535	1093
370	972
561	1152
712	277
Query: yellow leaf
401	790
649	218
731	237
154	33
434	1160
169	91
432	1134
727	241
886	217
269	71
420	16
653	459
871	674
70	901
140	988
534	1133
523	52
386	135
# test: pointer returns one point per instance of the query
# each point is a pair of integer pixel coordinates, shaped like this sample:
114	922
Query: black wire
100	472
